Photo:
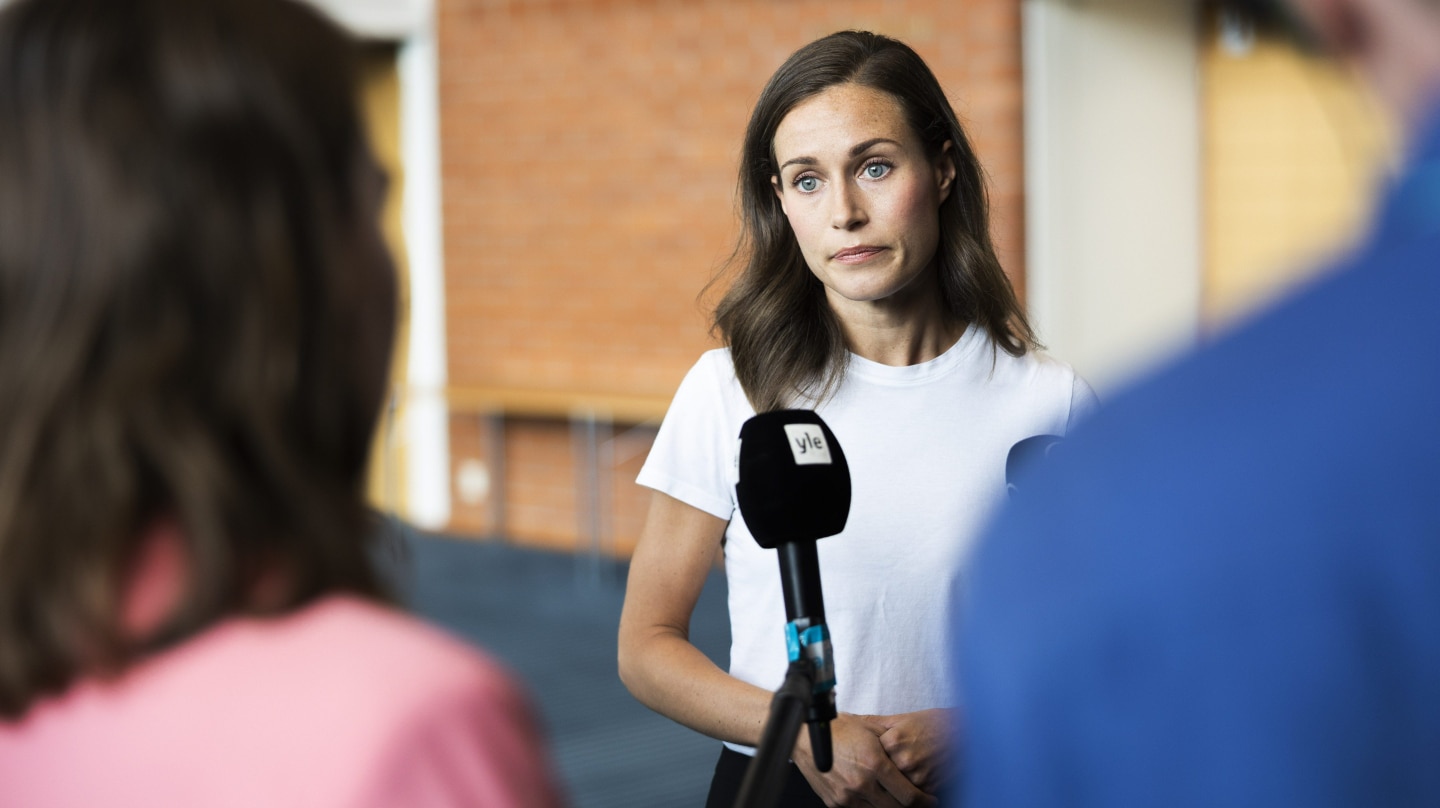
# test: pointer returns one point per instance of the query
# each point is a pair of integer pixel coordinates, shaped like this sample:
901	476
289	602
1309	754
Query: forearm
668	674
657	662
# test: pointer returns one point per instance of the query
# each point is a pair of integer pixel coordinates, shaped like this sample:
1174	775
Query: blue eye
875	171
807	184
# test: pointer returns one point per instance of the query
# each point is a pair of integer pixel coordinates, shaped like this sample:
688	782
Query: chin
862	295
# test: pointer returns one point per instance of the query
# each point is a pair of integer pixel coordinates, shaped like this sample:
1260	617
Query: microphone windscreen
1027	453
793	483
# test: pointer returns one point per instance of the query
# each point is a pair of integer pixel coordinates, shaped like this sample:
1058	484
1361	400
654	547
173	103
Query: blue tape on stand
813	643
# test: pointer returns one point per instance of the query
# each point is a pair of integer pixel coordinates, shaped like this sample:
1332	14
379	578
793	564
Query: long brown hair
784	338
195	320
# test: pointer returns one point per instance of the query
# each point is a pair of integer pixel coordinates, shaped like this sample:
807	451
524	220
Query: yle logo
807	444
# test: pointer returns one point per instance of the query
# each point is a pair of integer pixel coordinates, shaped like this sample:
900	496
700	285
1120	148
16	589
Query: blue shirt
1225	589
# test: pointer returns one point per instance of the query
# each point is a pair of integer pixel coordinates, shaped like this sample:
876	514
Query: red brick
588	151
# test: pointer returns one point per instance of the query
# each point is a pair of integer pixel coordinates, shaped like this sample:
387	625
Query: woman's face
861	195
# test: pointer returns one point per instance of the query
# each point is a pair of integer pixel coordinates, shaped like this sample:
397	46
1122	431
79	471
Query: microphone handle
800	581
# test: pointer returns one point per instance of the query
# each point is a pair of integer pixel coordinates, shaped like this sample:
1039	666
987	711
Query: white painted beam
1113	188
380	19
427	423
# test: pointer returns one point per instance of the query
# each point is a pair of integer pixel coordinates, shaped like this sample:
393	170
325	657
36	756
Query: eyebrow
855	151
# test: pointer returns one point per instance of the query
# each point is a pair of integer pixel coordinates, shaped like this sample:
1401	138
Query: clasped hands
882	760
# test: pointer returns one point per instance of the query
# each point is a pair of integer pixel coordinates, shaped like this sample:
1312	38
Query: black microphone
1024	454
794	488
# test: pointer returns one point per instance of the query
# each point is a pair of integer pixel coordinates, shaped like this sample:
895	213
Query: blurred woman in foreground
196	315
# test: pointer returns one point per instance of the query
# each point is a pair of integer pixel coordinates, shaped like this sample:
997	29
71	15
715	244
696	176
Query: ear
779	192
945	170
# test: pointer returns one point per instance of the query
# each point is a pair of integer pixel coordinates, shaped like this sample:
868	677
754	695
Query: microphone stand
766	773
811	664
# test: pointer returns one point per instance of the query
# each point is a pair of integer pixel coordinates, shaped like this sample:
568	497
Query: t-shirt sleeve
1083	402
692	459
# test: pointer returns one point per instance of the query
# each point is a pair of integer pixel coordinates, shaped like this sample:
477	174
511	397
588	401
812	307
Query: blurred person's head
196	312
776	311
1395	43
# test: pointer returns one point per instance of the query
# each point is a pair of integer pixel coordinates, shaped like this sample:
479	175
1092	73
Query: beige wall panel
380	98
1294	151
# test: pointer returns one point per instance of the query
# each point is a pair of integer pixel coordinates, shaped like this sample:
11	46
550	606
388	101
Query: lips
856	255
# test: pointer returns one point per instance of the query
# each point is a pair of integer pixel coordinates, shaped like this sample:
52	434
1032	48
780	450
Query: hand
862	774
918	743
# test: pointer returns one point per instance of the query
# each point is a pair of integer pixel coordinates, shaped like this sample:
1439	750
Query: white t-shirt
926	445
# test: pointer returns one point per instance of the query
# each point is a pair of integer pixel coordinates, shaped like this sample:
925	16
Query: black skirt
730	773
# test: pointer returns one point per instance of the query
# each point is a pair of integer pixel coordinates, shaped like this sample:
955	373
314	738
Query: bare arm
657	661
672	677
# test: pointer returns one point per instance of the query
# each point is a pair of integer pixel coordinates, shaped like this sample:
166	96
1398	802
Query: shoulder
1288	465
1319	364
336	659
331	697
1035	364
399	649
1038	379
716	367
1249	437
710	385
692	456
445	724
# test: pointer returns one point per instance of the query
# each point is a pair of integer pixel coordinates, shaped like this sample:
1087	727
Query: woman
196	313
870	291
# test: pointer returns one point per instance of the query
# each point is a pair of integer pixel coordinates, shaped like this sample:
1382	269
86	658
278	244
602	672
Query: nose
847	207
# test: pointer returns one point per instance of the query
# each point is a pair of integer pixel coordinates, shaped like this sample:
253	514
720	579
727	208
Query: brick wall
588	163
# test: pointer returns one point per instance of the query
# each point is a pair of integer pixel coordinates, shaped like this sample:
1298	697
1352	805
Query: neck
898	337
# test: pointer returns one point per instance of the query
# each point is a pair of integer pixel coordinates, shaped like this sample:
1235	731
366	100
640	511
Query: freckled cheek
916	215
807	231
912	207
